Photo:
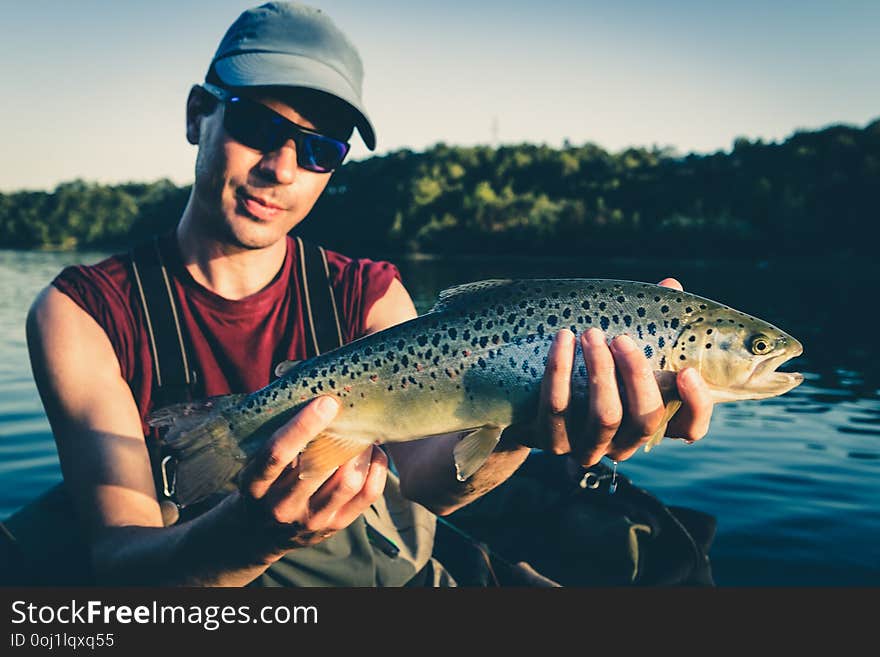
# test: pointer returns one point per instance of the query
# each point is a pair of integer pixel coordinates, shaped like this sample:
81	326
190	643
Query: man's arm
426	467
107	471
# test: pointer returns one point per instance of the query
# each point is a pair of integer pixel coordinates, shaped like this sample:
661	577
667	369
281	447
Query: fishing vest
390	543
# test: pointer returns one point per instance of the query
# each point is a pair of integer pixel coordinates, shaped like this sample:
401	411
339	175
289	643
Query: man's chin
248	234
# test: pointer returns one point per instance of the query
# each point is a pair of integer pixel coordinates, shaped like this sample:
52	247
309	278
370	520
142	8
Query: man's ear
199	104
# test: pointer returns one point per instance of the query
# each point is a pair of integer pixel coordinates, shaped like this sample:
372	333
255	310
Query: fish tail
206	452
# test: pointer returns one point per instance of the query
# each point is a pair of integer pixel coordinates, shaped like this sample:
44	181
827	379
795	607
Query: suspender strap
173	374
320	313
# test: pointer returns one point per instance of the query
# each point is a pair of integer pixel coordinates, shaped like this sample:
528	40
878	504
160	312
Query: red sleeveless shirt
236	344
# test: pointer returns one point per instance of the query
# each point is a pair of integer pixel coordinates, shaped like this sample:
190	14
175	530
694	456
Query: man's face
249	198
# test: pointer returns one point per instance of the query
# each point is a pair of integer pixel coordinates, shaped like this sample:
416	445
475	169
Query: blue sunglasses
258	127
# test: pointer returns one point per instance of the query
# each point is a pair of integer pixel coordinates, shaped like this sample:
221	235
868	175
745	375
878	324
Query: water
793	482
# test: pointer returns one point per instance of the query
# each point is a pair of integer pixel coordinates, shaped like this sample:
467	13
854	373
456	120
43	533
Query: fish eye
761	344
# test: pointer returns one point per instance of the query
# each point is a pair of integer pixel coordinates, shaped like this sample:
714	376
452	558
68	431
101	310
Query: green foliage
812	193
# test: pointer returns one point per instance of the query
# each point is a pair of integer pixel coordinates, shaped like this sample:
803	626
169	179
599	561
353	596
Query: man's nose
281	164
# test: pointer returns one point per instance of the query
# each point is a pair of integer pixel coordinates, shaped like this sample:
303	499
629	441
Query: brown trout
474	364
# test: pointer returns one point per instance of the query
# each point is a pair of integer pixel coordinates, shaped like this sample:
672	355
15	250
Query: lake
793	482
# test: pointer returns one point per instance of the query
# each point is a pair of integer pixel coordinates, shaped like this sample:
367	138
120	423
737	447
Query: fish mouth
765	381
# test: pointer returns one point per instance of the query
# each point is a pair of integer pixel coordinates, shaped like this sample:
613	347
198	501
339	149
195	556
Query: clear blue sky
96	89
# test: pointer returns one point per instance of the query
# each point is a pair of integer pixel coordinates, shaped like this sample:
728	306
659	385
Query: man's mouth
257	207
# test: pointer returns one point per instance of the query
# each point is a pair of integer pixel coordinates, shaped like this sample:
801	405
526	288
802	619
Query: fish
473	365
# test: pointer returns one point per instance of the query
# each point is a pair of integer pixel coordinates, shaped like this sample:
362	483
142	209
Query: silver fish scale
478	356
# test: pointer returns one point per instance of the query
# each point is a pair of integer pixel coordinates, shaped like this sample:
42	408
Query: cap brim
258	69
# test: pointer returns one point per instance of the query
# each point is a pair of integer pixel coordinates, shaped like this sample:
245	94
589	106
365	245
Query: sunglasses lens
254	125
258	127
319	153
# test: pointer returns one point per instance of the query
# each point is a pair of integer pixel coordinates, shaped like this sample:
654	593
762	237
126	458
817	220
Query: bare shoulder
394	307
60	330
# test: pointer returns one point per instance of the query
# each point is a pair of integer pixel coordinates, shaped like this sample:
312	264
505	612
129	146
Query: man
281	98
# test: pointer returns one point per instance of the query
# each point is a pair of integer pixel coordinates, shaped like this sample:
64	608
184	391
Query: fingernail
623	344
594	337
326	407
689	377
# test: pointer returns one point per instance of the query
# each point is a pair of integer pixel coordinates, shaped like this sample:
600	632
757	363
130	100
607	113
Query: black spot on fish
682	357
674	323
688	309
354	359
444	349
395	369
627	319
640	311
552	320
656	299
621	299
377	362
692	338
436	340
662	362
505	336
585	305
604	322
615	319
368	351
484	341
422	340
540	330
652	328
404	360
511	318
542	303
478	326
661	342
709	331
566	313
708	345
602	305
481	363
649	352
664	309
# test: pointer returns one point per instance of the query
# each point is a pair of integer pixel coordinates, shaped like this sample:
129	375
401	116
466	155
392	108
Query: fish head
737	355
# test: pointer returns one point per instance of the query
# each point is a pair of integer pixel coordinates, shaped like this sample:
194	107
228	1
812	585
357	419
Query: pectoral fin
671	409
326	452
473	450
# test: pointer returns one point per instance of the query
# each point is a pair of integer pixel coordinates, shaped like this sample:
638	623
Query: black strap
174	377
320	313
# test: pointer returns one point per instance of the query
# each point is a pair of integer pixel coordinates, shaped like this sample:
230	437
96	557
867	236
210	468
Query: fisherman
281	99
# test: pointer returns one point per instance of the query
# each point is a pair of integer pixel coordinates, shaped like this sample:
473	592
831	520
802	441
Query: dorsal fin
458	294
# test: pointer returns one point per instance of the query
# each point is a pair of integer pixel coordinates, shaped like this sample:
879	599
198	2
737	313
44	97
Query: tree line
813	193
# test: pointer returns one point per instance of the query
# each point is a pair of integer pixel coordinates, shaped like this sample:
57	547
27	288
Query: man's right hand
302	512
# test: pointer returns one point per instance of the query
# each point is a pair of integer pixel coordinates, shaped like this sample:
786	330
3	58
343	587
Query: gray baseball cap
292	45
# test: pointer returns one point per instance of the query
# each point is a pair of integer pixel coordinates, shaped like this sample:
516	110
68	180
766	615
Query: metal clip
168	488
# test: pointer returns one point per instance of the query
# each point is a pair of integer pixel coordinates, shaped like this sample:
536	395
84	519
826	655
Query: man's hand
620	418
301	512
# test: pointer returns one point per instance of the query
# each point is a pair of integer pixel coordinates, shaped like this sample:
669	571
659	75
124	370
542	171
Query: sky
97	89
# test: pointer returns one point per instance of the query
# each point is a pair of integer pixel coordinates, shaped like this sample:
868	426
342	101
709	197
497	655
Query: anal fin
327	452
671	409
473	450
